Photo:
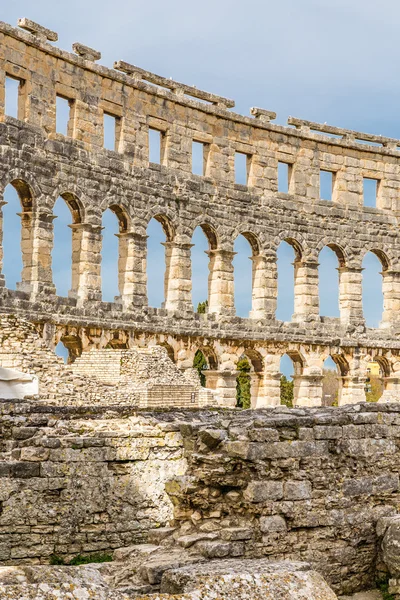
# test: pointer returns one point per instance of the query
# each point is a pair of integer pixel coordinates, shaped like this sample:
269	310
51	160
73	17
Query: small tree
287	394
243	381
200	363
202	307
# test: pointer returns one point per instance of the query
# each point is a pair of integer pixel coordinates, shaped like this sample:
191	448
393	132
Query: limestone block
390	529
255	579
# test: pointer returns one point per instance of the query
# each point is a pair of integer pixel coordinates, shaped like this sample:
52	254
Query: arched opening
64	256
200	364
328	282
243	383
169	349
291	367
243	275
69	348
377	370
331	383
374	263
114	223
159	232
16	233
200	269
249	379
286	367
62	352
204	240
288	252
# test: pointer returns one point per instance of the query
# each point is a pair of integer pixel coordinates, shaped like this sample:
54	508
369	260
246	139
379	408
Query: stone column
255	388
178	276
306	292
353	389
350	295
132	277
265	289
86	262
391	391
269	392
308	389
391	298
224	383
221	282
36	246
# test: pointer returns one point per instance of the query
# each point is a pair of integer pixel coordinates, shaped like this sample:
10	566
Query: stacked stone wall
308	484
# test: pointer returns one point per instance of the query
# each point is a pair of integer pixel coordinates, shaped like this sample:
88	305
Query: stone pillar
36	246
269	393
86	262
178	276
265	289
306	292
224	382
353	389
256	388
350	295
308	389
391	391
391	298
221	282
132	278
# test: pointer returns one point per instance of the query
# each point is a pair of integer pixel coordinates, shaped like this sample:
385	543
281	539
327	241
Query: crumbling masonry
43	165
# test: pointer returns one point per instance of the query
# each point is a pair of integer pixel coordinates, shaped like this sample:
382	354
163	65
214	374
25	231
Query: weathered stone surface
388	529
258	580
48	583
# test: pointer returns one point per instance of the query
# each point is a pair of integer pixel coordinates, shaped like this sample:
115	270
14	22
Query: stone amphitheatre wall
42	165
301	484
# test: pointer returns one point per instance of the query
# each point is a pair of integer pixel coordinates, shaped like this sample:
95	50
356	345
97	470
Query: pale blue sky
323	60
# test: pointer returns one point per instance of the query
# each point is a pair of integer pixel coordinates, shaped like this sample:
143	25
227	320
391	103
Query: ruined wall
304	484
87	480
43	165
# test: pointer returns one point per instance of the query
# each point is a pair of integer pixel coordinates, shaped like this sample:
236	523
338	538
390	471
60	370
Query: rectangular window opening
326	184
63	115
241	168
370	191
156	146
111	128
13	89
284	175
198	158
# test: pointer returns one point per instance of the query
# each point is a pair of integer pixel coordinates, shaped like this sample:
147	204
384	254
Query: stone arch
73	344
114	254
382	256
210	230
288	268
169	349
165	217
298	243
27	189
375	295
202	268
75	198
27	193
210	356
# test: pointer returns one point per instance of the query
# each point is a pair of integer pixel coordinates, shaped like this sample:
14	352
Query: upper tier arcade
42	165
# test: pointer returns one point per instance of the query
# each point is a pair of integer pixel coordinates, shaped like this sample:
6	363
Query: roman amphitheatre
126	472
